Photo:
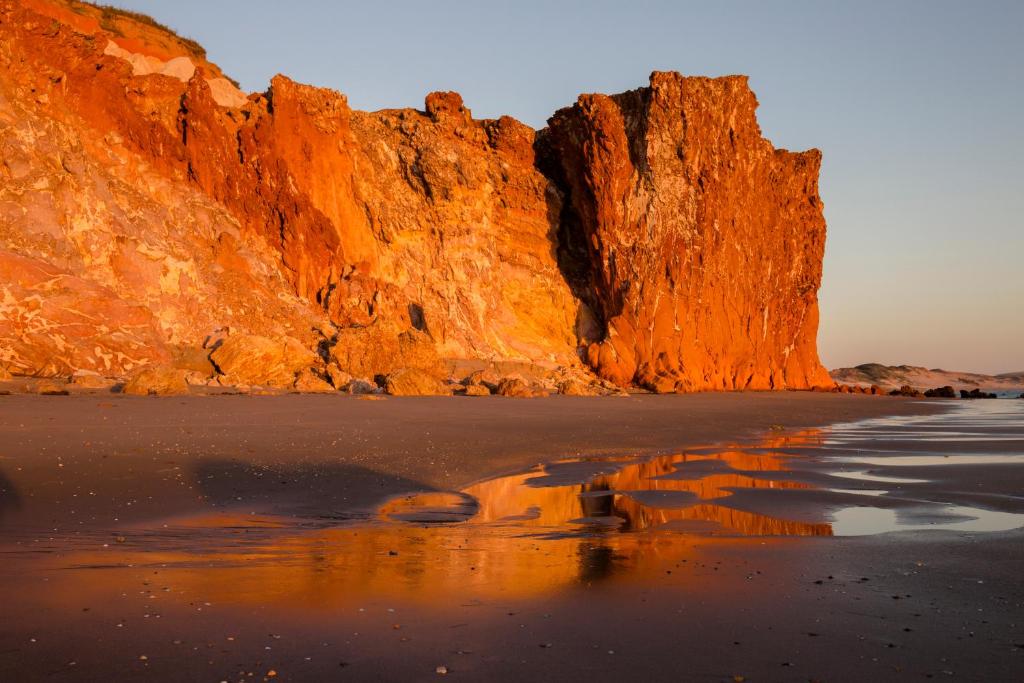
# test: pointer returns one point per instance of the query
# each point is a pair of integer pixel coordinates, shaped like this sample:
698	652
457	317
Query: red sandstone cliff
147	206
702	243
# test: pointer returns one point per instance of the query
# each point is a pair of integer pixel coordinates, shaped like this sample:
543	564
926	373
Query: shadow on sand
313	490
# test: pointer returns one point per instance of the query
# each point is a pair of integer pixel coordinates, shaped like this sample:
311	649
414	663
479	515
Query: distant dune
894	376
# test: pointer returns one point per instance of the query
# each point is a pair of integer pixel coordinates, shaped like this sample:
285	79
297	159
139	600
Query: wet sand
119	453
210	538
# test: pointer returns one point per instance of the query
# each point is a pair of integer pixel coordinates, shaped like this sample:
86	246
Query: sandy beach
308	537
347	452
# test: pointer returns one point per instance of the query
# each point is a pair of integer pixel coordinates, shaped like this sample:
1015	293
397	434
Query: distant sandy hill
894	376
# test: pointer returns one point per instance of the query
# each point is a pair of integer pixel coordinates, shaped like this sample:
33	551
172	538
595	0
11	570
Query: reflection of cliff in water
570	523
645	494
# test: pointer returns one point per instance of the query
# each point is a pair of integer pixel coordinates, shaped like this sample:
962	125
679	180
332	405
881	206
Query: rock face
147	205
701	244
53	322
107	257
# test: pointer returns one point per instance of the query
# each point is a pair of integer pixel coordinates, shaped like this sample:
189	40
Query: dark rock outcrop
907	390
976	393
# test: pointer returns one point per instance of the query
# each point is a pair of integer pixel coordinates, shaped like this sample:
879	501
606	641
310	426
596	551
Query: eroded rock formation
150	210
702	243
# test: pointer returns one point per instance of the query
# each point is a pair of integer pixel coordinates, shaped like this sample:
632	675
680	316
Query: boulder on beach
414	382
50	387
360	386
156	380
92	381
482	378
252	359
482	390
574	387
338	377
941	392
516	387
381	350
308	382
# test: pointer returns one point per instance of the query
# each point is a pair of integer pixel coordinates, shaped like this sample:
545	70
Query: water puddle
692	490
430	508
868	476
864	521
860	492
642	495
935	460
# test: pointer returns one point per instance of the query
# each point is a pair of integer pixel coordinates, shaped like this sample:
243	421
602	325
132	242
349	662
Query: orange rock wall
108	256
702	244
654	234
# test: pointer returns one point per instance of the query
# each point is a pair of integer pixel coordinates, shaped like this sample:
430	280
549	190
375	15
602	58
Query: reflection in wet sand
516	536
569	523
644	495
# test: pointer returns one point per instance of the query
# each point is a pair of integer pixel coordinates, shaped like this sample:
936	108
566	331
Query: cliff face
702	243
107	260
147	204
430	219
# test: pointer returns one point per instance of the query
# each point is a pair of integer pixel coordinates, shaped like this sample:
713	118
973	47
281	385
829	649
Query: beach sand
232	537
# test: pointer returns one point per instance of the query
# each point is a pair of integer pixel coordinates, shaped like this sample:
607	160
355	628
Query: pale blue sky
917	106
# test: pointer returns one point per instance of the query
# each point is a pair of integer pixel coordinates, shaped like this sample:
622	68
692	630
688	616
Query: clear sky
917	106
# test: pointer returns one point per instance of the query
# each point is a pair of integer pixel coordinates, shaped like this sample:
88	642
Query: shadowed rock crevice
570	244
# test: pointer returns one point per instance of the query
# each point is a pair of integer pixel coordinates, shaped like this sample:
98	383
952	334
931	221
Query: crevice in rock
571	251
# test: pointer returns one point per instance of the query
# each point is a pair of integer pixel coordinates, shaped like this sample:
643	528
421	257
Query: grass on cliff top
109	14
